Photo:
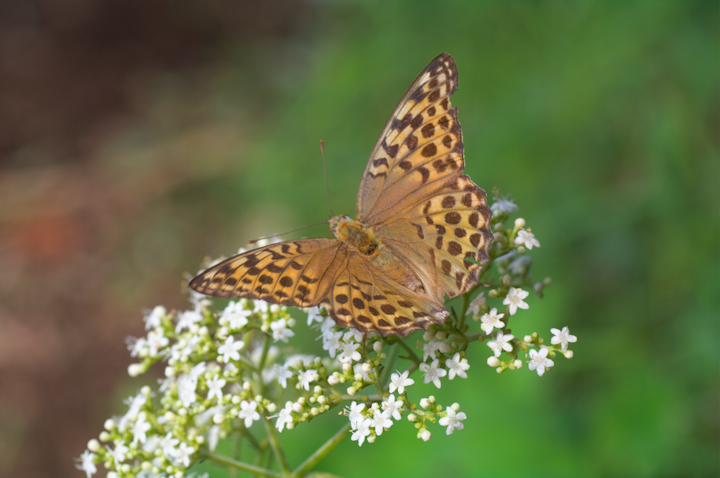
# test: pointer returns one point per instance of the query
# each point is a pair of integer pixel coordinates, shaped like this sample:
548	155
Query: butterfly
422	230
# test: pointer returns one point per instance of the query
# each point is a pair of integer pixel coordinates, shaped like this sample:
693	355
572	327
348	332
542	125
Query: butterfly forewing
297	273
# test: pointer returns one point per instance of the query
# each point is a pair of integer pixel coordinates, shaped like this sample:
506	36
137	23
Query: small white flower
562	337
283	374
120	452
154	317
261	306
187	319
393	406
306	377
527	239
284	418
248	412
432	372
314	315
381	421
353	334
355	415
501	343
86	463
140	429
349	353
230	350
183	454
332	342
503	206
539	360
215	386
169	444
362	431
515	298
453	420
520	265
137	346
476	304
491	320
156	342
429	349
398	381
456	366
280	330
235	315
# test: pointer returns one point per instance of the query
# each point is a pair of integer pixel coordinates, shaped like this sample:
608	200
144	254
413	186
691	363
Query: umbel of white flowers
237	371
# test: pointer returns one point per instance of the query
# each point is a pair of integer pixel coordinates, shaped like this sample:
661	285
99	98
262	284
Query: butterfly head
354	233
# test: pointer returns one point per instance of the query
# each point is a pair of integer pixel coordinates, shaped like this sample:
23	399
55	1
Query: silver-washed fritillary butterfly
422	229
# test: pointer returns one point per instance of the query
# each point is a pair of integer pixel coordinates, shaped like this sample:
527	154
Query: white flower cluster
228	369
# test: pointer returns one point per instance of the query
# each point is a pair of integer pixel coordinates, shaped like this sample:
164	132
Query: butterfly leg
364	337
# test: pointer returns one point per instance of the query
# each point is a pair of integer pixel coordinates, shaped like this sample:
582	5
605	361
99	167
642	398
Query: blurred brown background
136	138
87	162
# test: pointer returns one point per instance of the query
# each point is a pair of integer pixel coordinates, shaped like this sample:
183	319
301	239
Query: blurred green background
601	120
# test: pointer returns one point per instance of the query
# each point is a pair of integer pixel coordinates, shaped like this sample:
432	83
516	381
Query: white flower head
393	406
280	330
527	239
306	377
230	350
284	418
261	306
491	320
314	316
140	429
453	420
429	349
432	372
187	319
355	415
457	366
476	304
362	431
283	373
87	463
156	341
349	353
562	337
120	452
235	315
539	361
501	343
515	298
154	317
215	386
332	342
381	421
183	454
398	381
503	206
248	412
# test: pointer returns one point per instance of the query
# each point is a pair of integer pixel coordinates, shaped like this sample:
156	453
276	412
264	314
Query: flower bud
315	411
291	323
518	364
105	436
505	280
169	371
519	223
444	347
218	418
333	380
455	406
358	377
322	399
499	227
135	369
109	424
297	407
547	282
366	367
528	339
271	407
146	390
425	435
493	293
377	347
428	336
493	361
412	417
424	402
371	439
569	354
274	308
169	416
93	445
351	390
347	368
521	250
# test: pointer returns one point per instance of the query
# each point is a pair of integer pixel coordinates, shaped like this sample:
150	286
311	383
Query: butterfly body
421	234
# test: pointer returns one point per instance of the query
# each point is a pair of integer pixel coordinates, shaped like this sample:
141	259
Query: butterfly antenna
283	233
327	185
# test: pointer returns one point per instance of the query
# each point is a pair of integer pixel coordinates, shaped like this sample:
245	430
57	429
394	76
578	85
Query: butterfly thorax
354	233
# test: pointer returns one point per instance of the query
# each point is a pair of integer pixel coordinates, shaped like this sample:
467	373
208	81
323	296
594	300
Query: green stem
321	452
394	350
263	358
277	448
411	352
242	466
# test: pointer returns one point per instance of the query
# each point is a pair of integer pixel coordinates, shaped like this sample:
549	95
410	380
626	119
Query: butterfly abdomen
355	234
